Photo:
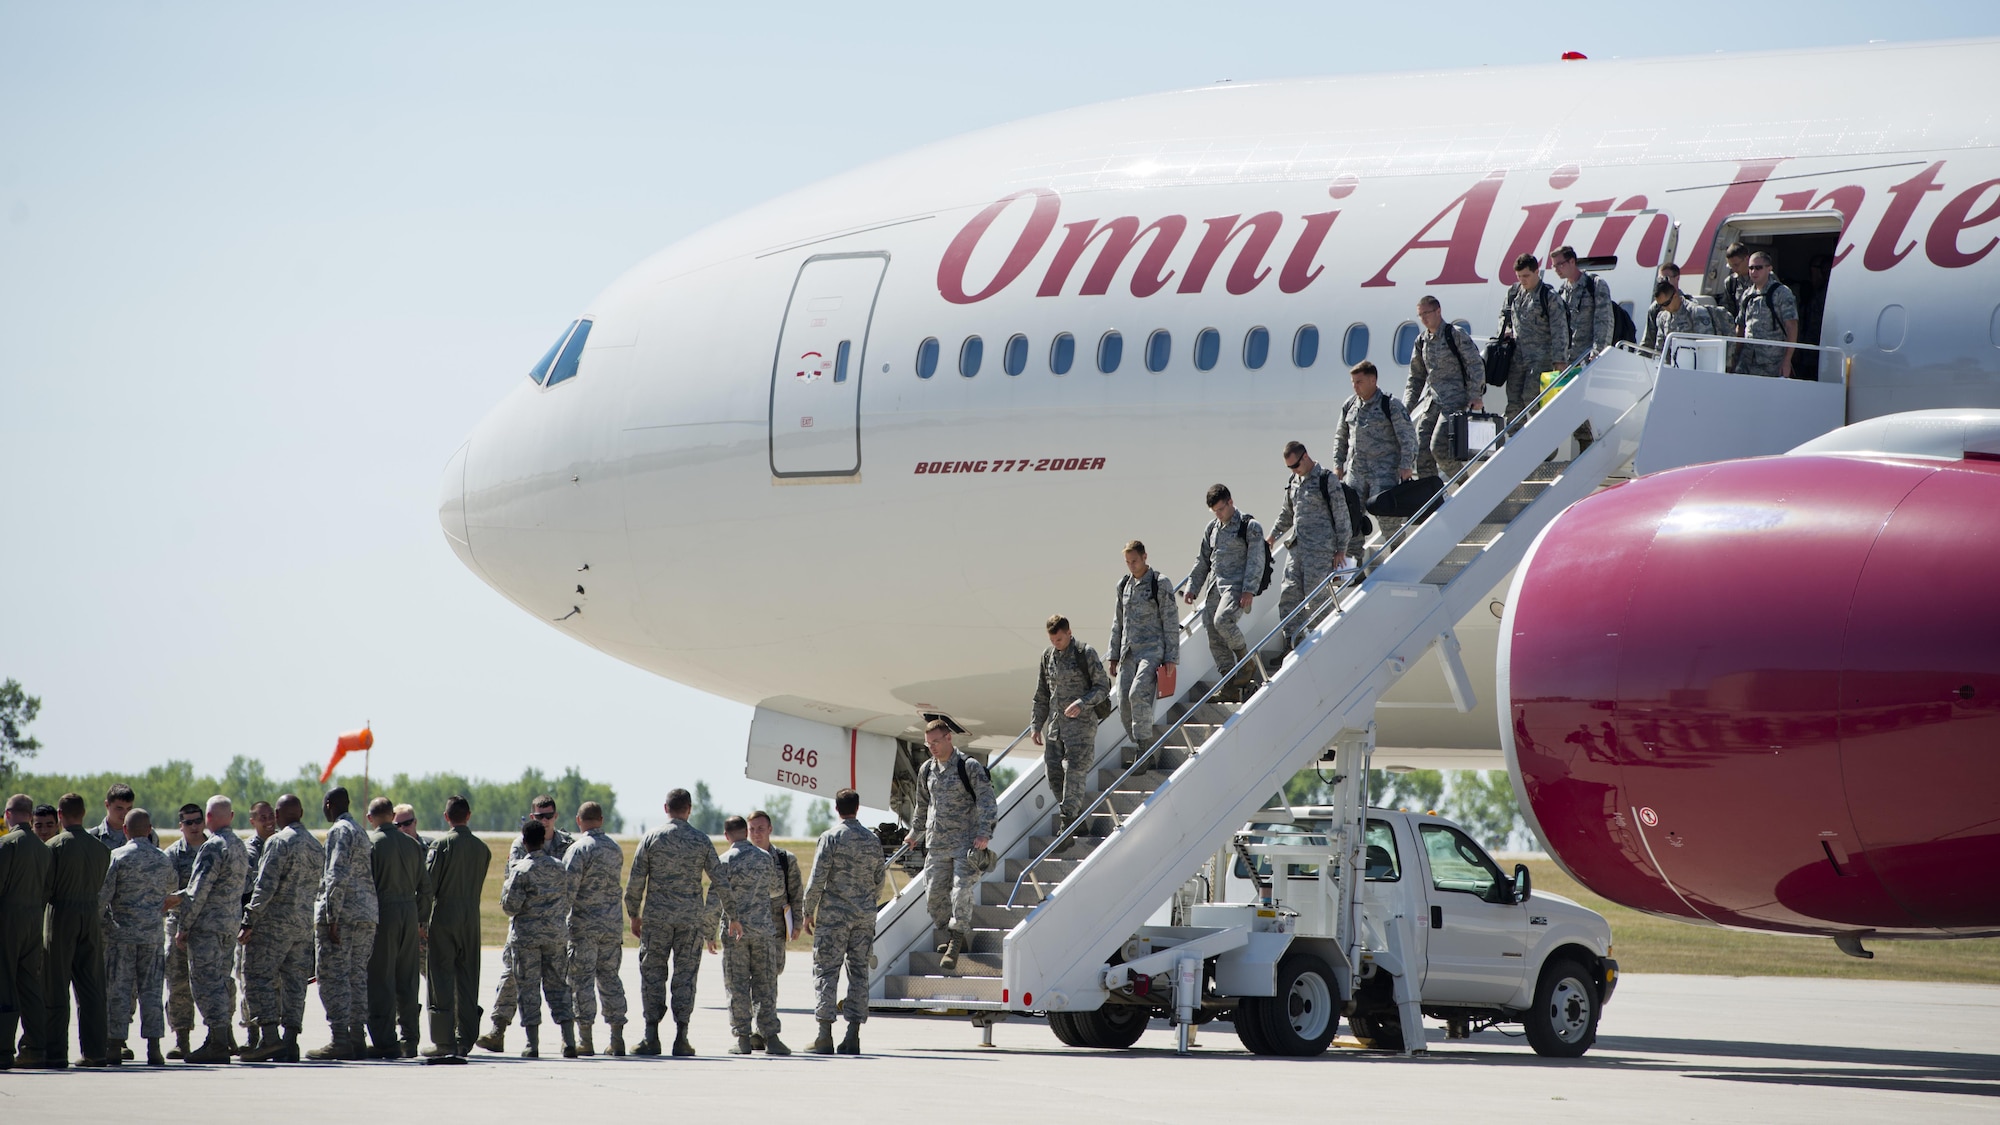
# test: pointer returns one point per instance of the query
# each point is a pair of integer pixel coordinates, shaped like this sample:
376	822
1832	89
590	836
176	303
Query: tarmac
1670	1048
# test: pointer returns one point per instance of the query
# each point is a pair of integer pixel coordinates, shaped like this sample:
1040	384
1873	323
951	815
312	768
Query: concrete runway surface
1763	1049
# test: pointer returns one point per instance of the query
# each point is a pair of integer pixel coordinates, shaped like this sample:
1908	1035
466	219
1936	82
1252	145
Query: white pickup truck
1436	929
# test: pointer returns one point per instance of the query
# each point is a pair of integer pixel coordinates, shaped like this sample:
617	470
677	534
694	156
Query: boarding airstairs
1061	908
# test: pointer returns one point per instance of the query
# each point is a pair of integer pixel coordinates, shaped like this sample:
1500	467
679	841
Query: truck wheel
1249	1020
1065	1029
1381	1032
1300	1020
1562	1024
1113	1027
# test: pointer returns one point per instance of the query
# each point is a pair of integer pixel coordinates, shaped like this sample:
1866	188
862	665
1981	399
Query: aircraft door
1802	245
816	377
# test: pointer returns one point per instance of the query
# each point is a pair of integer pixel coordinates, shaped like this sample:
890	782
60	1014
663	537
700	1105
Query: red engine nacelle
1767	694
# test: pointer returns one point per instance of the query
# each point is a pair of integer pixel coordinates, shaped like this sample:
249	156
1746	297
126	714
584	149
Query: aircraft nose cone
451	506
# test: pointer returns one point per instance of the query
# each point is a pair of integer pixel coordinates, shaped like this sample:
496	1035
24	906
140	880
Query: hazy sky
262	267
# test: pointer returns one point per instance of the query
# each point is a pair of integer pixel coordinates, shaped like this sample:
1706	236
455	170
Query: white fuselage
834	569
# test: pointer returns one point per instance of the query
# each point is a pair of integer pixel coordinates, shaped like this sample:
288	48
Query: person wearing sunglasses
506	999
206	927
180	991
1769	312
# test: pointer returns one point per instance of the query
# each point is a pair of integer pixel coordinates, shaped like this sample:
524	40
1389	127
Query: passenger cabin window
1256	347
1015	359
1208	346
969	355
540	371
1305	346
1458	864
1406	341
927	358
1159	349
1110	350
1354	345
1062	354
572	354
1384	864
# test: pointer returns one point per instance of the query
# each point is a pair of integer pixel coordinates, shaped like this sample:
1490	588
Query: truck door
816	378
1478	934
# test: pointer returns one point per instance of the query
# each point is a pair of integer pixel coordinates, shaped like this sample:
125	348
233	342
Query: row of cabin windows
1159	349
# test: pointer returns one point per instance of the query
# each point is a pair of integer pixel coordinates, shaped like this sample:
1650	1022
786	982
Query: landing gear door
816	376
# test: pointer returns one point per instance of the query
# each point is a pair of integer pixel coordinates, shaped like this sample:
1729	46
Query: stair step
1049	870
972	965
1078	846
989	917
980	989
1139	782
996	894
1444	572
1482	535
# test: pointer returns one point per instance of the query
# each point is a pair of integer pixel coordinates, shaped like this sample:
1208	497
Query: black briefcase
1471	433
1499	360
1402	501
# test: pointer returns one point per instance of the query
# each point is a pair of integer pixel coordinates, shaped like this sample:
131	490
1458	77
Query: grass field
1644	943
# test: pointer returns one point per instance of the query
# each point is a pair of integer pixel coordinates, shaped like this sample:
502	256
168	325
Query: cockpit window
540	371
572	354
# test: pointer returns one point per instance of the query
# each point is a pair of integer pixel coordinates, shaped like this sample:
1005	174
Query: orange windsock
363	739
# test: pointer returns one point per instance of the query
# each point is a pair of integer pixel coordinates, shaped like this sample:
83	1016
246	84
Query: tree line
1481	801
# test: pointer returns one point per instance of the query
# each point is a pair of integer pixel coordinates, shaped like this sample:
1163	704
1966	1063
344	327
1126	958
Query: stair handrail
889	864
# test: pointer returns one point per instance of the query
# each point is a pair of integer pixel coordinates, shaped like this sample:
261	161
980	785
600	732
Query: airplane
840	456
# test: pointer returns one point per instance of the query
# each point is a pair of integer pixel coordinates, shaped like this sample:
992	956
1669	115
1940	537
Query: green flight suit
402	891
24	899
457	867
73	940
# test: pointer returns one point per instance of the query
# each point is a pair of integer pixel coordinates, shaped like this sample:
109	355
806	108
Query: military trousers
211	955
73	961
541	968
1219	617
849	943
1138	693
949	881
454	971
1434	449
23	980
393	1000
1306	571
132	979
343	972
1069	746
1755	359
276	966
1524	380
593	976
668	948
750	974
1369	485
180	992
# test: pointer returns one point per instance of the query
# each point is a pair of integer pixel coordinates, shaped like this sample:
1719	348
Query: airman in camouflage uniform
73	936
1375	446
1534	314
537	897
670	916
278	930
1769	312
118	801
506	994
263	822
1587	303
839	909
596	928
402	895
138	890
955	817
791	891
456	866
1447	376
1316	516
1068	690
1145	636
211	903
745	878
180	991
345	916
1232	549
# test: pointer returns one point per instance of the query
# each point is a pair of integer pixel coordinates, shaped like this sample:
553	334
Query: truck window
1458	864
1383	863
1281	833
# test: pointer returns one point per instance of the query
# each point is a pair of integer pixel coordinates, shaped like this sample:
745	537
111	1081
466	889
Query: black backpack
1622	328
1243	533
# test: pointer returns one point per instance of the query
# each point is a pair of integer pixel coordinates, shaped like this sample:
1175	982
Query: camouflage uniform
1587	303
1235	555
1541	341
537	897
745	878
73	940
788	897
136	886
1446	375
180	991
25	865
1762	317
347	899
596	927
1069	746
253	853
505	1000
280	916
113	838
1316	515
1145	633
1375	444
211	903
402	895
665	894
456	865
954	807
846	880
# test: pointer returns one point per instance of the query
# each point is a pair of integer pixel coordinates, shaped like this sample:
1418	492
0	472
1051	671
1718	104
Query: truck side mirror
1524	884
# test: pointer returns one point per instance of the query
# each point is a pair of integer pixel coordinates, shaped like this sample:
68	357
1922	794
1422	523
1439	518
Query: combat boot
852	1044
534	1048
824	1044
495	1040
153	1055
117	1053
341	1049
775	1046
682	1048
583	1044
180	1050
756	1041
742	1047
444	1042
569	1039
213	1049
30	1058
649	1044
618	1041
91	1064
125	1054
952	948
